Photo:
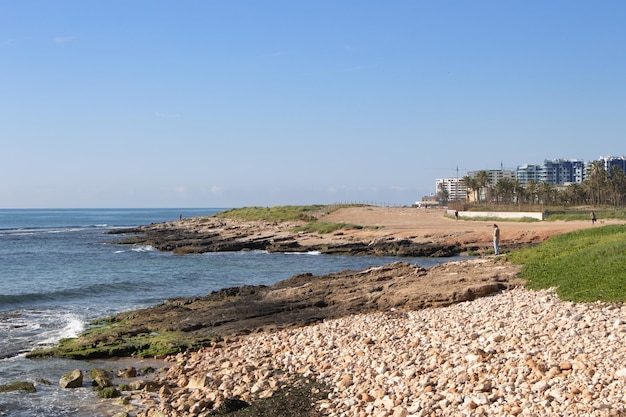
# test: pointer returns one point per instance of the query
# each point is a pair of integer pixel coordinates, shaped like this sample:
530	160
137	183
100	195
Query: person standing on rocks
496	239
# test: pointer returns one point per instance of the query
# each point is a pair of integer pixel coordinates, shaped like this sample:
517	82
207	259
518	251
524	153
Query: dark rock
184	240
230	405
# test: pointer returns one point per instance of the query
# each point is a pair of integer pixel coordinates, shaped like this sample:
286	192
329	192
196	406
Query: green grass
586	265
580	214
308	214
282	213
326	227
278	213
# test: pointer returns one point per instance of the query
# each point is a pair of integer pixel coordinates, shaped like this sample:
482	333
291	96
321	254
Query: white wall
499	214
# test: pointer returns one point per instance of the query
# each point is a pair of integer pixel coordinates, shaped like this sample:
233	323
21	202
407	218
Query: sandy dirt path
430	225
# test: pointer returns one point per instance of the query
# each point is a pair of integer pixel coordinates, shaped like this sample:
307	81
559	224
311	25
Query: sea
59	271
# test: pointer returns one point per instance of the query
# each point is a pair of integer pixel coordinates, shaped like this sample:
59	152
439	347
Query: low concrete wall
499	214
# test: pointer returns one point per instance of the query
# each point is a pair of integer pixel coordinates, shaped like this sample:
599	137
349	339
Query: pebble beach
519	352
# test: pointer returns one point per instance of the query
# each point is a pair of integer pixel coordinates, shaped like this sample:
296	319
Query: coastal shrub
585	265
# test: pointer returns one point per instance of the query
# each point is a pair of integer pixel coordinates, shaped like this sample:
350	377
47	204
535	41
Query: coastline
381	231
390	225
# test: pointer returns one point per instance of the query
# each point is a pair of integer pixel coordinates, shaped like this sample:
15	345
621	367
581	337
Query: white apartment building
496	175
455	188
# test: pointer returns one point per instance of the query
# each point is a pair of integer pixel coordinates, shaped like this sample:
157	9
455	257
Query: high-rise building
495	175
454	187
527	173
557	171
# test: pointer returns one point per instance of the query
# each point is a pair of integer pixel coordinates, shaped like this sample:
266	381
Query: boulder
127	373
73	379
100	378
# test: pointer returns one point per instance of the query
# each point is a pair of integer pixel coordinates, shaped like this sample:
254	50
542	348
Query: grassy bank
586	265
276	214
308	214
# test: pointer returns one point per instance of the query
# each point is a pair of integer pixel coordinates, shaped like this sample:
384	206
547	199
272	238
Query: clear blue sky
232	103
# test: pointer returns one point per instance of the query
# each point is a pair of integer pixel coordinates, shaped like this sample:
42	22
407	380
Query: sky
234	103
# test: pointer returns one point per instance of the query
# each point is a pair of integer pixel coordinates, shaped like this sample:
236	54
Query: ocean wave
71	325
29	329
311	252
33	230
64	295
142	248
137	249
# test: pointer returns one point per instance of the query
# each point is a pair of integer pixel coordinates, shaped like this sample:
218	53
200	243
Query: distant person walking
496	239
456	214
593	218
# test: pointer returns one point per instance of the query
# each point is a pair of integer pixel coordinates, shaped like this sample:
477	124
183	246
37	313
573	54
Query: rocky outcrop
298	301
223	235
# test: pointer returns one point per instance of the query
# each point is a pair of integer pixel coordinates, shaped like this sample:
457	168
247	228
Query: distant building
454	187
610	161
496	175
557	171
427	201
527	173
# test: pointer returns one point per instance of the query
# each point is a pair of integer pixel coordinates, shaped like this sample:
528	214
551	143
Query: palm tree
505	189
443	194
519	191
617	185
531	190
546	193
574	195
482	179
596	183
472	184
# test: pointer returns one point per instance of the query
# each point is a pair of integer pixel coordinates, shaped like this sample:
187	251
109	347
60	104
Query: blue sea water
58	272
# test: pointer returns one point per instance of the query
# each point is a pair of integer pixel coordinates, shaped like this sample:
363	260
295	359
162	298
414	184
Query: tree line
600	188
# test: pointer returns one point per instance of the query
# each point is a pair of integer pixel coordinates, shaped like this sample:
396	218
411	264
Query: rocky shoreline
518	352
353	342
214	234
190	323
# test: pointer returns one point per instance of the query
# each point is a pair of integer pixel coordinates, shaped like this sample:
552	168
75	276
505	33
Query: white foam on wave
142	248
311	252
72	325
